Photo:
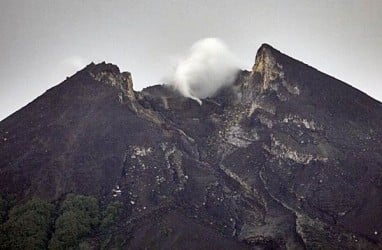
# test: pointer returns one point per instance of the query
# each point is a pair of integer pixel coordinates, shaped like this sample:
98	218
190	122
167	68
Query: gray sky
43	41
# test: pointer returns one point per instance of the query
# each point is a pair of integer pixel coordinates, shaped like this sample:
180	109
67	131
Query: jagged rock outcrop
286	158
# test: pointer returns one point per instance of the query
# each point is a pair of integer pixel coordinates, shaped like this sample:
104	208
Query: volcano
285	158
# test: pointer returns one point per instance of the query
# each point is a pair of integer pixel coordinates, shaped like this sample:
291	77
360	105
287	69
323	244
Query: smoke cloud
209	66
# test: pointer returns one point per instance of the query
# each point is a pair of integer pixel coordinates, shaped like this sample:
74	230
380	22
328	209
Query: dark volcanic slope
287	158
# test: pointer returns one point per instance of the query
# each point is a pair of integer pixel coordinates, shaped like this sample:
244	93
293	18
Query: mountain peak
269	65
103	66
110	74
266	46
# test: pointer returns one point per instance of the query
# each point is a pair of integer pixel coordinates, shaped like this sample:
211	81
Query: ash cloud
209	66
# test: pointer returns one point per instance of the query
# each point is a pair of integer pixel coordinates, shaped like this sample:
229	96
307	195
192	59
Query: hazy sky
43	41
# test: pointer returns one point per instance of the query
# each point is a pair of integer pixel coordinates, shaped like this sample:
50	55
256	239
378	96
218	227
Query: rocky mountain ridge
287	157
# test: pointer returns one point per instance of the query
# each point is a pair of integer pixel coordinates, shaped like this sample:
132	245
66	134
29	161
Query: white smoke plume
209	66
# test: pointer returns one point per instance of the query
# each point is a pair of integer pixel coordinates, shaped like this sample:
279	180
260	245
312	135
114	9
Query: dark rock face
288	157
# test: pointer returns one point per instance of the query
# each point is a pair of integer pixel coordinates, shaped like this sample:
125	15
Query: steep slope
288	157
72	138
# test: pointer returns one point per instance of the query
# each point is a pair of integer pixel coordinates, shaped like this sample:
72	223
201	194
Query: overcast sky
43	41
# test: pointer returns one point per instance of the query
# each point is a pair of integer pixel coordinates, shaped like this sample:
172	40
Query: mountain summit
286	158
